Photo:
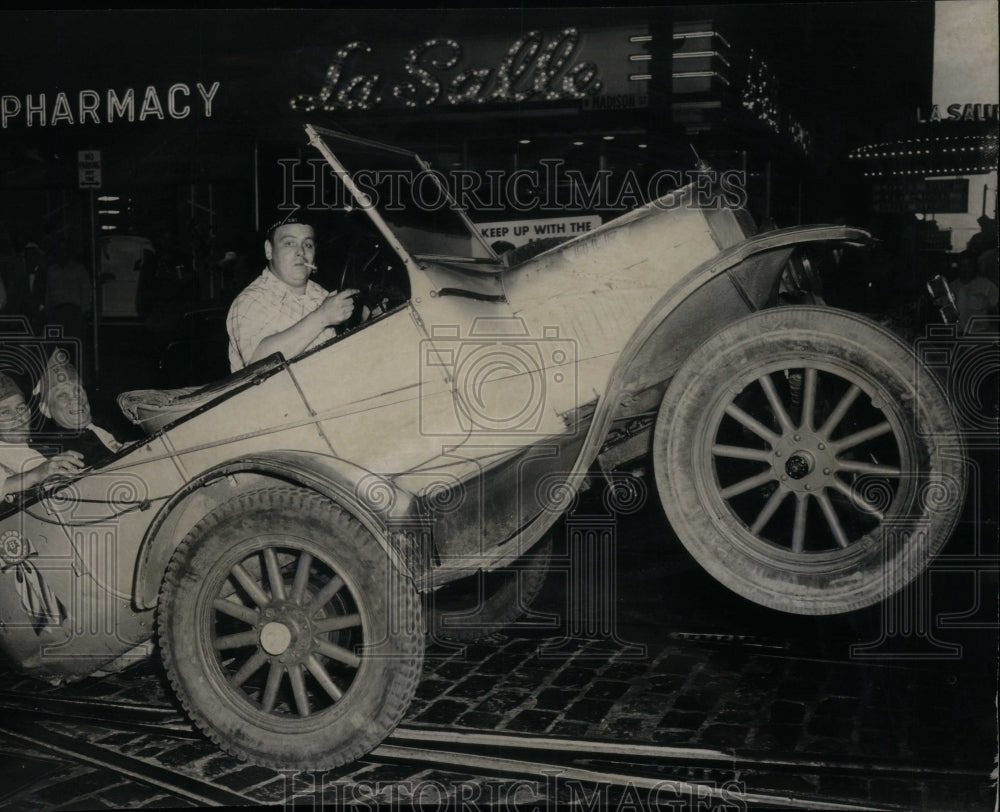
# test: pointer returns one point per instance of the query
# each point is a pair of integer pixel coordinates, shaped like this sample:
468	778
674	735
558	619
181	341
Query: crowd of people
46	288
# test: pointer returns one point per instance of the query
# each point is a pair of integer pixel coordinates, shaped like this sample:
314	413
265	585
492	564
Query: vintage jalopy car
281	529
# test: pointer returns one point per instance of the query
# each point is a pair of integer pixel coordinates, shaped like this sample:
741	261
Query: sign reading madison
530	70
107	106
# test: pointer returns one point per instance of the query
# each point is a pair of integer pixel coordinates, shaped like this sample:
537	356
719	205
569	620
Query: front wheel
808	461
287	633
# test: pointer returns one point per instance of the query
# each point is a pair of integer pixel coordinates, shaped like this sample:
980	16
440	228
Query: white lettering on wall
105	106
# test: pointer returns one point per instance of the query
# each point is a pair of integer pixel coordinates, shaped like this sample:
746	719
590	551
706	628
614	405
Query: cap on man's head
287	218
8	387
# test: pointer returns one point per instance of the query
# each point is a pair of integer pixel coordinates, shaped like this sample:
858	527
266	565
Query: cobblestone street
726	697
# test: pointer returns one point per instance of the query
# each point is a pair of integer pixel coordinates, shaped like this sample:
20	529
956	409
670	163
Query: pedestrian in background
68	292
975	295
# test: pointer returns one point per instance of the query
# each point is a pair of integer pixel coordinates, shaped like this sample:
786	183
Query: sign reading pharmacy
89	106
88	165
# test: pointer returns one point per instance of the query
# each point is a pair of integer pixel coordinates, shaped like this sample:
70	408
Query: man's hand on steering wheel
375	294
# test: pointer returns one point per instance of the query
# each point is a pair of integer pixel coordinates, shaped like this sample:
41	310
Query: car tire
808	460
475	607
287	633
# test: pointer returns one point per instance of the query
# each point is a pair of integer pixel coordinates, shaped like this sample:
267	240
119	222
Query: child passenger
21	467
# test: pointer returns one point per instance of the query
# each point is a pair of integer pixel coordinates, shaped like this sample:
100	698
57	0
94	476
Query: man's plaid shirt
265	307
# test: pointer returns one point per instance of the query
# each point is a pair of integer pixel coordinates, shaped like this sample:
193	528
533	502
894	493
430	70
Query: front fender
708	297
739	280
390	513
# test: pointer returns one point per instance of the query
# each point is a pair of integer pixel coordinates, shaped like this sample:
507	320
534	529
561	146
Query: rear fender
389	513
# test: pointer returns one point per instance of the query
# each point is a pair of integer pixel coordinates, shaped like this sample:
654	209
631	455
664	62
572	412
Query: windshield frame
319	137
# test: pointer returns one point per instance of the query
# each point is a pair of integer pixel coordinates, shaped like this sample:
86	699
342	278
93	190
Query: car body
281	524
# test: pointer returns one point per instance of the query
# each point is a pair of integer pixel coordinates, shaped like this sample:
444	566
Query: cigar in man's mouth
310	266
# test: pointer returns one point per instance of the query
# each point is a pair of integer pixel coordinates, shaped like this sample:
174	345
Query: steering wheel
372	273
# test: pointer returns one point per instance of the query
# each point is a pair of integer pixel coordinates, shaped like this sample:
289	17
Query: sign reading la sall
109	105
533	68
960	112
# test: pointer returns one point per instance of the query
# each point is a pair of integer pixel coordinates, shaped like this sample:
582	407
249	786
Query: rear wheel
808	461
287	633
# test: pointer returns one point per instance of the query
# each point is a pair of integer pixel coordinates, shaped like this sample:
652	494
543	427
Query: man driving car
283	310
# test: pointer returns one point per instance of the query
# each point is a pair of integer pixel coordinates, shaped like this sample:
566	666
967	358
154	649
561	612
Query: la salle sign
961	112
530	70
